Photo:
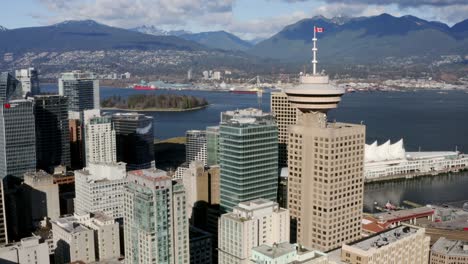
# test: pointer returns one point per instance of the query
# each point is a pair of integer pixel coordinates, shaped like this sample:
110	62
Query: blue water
425	119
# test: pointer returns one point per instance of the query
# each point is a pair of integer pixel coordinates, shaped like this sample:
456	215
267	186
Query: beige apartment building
325	163
404	244
446	251
285	115
251	224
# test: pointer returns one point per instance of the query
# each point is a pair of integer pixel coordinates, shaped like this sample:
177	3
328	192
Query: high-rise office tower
29	79
325	183
134	140
251	224
248	157
52	131
8	87
17	131
156	228
285	115
82	90
100	145
195	148
212	145
99	188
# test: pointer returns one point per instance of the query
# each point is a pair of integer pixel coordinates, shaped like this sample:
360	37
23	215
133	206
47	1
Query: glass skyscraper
134	140
17	131
82	90
212	145
52	131
248	155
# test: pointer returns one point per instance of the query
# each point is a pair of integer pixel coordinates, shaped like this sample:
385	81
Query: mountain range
369	40
366	39
86	35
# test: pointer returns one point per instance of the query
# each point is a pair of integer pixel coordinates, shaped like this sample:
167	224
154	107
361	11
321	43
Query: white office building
100	139
99	188
251	224
28	251
29	80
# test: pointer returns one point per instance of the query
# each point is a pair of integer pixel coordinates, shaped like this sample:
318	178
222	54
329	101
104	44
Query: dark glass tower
82	90
17	131
134	140
52	132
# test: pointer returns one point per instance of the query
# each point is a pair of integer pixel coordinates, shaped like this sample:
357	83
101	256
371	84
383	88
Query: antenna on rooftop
314	52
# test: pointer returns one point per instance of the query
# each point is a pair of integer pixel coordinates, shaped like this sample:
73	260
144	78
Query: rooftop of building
248	116
151	174
70	224
102	217
384	238
78	75
372	225
402	215
450	247
100	172
280	249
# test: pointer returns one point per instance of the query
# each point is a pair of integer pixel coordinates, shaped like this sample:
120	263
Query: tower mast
314	51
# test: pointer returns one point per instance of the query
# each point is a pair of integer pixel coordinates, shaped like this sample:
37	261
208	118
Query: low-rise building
86	237
251	224
403	244
446	251
29	250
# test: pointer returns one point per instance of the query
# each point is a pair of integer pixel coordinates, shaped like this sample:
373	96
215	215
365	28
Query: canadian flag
318	29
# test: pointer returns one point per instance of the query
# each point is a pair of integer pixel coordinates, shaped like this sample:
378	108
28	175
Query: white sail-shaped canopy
385	152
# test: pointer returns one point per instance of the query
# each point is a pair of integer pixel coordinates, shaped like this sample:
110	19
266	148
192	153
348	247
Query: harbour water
425	119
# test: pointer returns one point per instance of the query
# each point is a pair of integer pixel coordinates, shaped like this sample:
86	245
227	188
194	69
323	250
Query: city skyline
240	17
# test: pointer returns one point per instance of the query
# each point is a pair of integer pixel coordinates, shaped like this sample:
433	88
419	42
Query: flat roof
384	238
407	213
451	247
276	250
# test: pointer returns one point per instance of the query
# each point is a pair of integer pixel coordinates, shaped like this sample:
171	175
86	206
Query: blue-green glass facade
248	155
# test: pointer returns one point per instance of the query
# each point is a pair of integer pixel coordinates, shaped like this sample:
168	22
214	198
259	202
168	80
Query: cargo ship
144	87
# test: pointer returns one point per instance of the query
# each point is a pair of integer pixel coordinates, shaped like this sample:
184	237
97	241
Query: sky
248	19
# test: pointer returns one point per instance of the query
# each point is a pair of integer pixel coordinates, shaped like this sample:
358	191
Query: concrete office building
325	163
156	228
52	131
73	241
86	237
285	116
251	224
3	217
212	145
106	234
29	79
42	196
134	140
248	157
99	188
81	89
200	246
404	244
195	147
446	251
100	140
201	186
286	253
28	251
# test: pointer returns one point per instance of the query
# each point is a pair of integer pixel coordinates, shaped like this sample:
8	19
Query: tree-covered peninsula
147	102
